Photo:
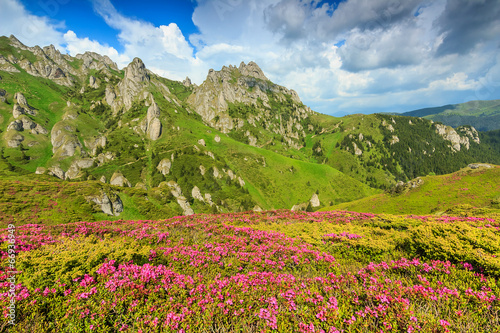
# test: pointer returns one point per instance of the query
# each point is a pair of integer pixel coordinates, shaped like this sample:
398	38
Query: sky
342	57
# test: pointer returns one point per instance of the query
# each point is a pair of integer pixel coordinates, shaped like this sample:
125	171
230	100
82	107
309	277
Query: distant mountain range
139	144
482	115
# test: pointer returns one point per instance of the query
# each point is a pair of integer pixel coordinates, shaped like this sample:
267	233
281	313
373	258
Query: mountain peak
253	70
136	71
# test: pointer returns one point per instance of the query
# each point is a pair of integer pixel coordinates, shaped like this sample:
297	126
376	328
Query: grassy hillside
474	188
483	115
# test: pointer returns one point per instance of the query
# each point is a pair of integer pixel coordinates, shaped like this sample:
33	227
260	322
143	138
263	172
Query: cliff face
215	101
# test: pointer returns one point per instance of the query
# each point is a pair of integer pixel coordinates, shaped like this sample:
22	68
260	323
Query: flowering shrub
223	273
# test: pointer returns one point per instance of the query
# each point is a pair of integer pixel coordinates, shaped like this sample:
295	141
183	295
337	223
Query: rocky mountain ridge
235	142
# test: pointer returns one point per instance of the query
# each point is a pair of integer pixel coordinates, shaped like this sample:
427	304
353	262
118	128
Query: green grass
477	188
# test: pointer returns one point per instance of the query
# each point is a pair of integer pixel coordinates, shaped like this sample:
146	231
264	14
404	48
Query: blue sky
342	57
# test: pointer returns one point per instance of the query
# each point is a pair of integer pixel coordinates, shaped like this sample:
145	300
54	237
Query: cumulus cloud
163	48
28	28
75	45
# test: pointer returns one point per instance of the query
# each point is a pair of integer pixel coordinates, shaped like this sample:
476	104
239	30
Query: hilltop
483	115
471	190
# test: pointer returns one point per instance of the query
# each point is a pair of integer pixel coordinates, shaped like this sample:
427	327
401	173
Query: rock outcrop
196	194
56	171
244	84
64	140
135	79
457	141
118	179
153	123
479	165
164	166
315	201
21	106
176	191
109	203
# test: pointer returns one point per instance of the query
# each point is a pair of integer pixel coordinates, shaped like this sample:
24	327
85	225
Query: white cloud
75	45
163	48
28	28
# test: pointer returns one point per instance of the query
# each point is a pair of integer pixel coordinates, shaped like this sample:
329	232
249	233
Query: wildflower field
257	272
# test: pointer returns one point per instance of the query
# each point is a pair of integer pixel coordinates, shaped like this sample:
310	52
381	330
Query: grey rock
479	165
93	82
315	201
154	129
56	171
40	170
118	179
110	95
175	189
241	181
187	82
186	207
197	194
16	125
20	99
164	166
201	142
253	70
109	204
64	143
208	199
15	141
103	179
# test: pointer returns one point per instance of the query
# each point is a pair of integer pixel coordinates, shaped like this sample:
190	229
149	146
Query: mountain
131	143
483	115
474	186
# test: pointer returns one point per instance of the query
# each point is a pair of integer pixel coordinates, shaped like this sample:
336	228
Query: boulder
202	170
241	181
197	194
56	171
15	141
118	179
40	170
208	199
217	139
201	142
103	179
315	201
164	166
154	129
186	207
110	205
175	189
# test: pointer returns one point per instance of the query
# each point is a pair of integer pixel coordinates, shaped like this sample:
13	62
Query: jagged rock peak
16	42
136	71
187	82
91	60
252	69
